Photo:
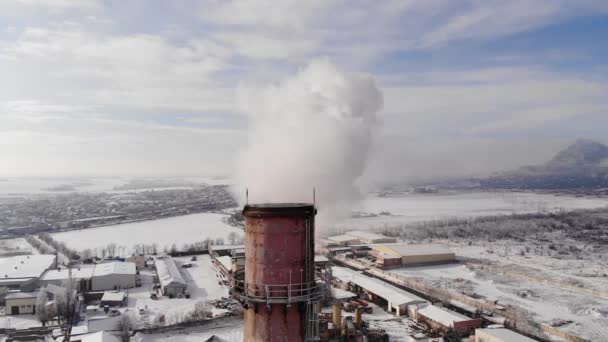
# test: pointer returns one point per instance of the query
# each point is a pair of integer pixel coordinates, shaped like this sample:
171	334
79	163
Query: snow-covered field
544	302
409	208
164	232
16	246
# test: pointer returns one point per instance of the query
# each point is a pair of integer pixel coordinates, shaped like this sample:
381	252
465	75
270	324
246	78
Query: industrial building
113	299
19	303
499	335
413	255
369	237
389	297
139	261
114	276
441	319
171	281
23	271
99	277
344	240
82	274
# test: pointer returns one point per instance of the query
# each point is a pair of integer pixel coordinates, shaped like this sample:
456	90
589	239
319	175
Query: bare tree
42	311
232	238
202	310
66	299
125	326
111	250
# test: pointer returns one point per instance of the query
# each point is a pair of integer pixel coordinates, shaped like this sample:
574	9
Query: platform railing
277	293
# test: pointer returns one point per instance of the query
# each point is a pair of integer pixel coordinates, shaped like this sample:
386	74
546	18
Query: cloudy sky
149	86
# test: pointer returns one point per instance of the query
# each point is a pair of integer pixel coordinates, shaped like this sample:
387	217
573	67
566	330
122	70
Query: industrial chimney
279	288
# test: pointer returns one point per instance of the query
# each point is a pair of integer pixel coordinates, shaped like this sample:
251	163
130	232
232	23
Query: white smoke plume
313	129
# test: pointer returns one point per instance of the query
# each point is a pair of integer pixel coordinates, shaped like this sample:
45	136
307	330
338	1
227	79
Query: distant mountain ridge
582	165
583	153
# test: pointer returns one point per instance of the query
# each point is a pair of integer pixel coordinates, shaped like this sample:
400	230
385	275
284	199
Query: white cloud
17	6
484	19
131	71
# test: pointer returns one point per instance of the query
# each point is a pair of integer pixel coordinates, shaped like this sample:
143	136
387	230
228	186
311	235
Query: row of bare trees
59	246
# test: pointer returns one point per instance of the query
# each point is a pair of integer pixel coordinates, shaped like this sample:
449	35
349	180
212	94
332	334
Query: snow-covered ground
16	246
409	208
178	230
203	284
19	321
544	303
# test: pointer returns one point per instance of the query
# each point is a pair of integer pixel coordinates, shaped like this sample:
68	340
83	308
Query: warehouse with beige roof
413	255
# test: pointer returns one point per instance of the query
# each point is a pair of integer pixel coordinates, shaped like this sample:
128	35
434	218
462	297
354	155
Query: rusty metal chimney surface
279	270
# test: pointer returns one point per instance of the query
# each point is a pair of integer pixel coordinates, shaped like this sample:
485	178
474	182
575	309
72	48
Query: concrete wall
113	282
25	305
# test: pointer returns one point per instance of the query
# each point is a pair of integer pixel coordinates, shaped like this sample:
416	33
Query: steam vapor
313	129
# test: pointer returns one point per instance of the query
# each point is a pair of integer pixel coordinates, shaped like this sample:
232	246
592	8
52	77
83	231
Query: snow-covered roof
390	293
343	238
505	335
225	247
368	236
226	261
167	271
321	258
21	295
100	336
341	294
79	330
80	272
25	266
443	316
114	268
411	250
113	297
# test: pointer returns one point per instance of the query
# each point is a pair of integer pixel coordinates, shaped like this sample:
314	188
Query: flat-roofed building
390	297
412	255
20	303
369	237
344	240
443	319
82	274
387	260
113	299
23	271
499	335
